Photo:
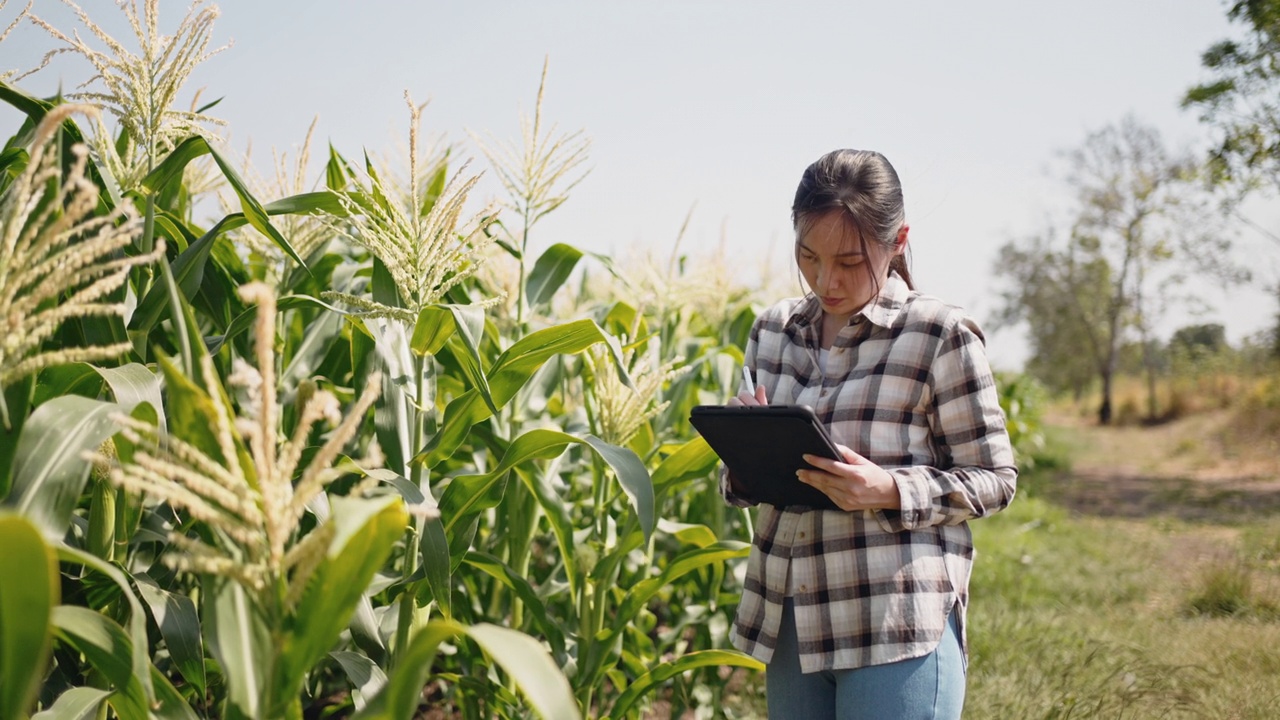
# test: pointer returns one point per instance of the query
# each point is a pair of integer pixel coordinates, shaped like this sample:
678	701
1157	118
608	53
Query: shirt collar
882	310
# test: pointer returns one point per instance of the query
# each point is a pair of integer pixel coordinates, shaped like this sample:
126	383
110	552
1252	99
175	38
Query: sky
714	108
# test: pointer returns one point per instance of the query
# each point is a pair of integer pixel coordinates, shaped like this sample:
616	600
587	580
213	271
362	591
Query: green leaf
365	532
192	411
322	201
187	270
689	533
15	401
550	272
132	385
49	473
469	494
657	676
179	624
557	513
437	564
108	650
365	675
29	588
241	642
533	670
140	660
79	703
685	563
399	698
509	373
337	171
495	568
193	147
634	478
692	459
439	324
522	657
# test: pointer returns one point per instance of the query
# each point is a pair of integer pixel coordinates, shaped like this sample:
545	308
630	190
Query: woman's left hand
855	484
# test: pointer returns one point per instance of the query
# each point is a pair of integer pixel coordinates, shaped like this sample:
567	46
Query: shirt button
804	588
801	536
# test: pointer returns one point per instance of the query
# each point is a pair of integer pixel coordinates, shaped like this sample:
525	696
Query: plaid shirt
907	386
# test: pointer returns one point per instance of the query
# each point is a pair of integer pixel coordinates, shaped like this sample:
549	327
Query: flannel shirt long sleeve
908	386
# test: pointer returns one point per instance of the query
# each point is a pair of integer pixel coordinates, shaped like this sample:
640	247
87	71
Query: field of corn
345	448
342	444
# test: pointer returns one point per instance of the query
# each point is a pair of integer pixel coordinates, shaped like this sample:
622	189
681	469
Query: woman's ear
900	246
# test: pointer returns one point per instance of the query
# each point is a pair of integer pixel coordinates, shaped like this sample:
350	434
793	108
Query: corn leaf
692	459
79	703
365	675
365	532
241	642
441	324
469	494
550	271
496	569
132	385
179	624
534	671
399	698
29	589
640	593
15	402
634	478
437	564
137	619
193	147
657	676
522	657
107	648
49	473
509	373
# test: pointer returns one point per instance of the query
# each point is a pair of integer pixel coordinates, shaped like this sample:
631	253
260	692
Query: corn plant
340	450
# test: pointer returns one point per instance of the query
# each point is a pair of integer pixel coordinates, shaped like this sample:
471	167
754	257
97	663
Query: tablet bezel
762	445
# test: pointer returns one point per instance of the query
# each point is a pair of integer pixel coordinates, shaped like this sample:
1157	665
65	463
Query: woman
860	612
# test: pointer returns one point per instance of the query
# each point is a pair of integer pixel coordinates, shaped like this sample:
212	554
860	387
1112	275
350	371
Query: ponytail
899	265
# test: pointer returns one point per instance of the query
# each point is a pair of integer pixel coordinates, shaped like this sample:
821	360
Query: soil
1197	468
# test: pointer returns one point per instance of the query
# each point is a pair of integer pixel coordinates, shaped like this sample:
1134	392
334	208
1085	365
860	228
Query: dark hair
864	188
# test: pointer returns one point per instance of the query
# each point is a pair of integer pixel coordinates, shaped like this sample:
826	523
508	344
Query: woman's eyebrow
845	254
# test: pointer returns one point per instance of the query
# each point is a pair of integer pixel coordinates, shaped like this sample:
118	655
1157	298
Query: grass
1077	615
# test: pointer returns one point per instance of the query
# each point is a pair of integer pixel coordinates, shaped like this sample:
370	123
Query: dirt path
1193	469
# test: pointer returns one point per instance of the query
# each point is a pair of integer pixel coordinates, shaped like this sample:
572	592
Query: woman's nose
826	280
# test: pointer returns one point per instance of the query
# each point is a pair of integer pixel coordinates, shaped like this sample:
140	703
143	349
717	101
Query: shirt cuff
916	503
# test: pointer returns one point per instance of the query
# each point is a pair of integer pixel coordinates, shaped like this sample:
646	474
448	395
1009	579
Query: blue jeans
923	688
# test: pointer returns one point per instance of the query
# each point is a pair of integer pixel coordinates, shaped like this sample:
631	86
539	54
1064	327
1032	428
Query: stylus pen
746	377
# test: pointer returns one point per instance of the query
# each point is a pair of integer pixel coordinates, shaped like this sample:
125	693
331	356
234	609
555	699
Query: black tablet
763	445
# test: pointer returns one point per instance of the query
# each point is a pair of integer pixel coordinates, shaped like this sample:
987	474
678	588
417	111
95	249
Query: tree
1141	219
1242	100
1056	293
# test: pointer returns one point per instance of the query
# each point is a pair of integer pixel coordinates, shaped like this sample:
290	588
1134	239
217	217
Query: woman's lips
831	301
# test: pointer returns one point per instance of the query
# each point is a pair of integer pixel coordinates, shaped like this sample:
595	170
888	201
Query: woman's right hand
743	398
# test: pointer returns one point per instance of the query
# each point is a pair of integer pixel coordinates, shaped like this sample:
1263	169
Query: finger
761	396
835	467
850	456
744	398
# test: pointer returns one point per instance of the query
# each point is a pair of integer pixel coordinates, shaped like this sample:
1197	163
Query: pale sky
723	104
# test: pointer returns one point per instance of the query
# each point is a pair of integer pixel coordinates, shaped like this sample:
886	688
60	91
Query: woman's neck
831	326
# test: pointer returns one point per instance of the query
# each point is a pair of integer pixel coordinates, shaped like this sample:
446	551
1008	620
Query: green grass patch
1082	617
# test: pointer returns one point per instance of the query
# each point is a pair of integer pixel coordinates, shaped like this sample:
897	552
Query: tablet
763	445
